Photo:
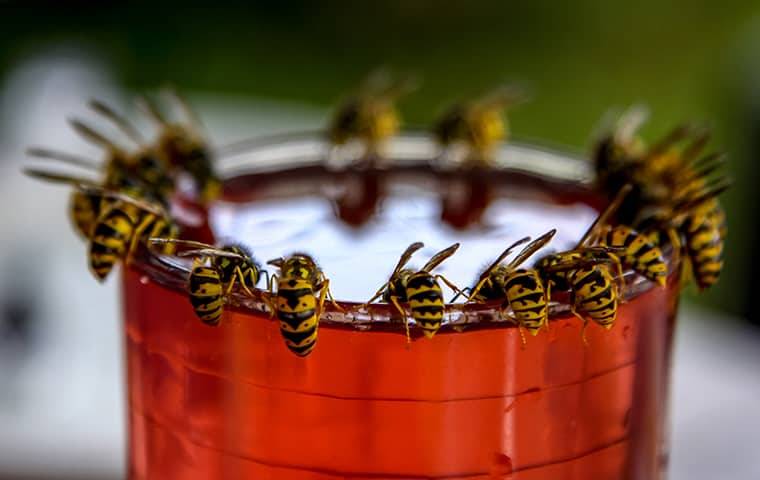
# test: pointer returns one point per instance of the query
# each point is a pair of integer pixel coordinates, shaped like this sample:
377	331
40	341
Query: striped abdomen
527	297
704	246
642	255
595	294
85	210
297	313
109	241
426	302
206	294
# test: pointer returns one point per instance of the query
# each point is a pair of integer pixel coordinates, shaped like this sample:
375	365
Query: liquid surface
359	260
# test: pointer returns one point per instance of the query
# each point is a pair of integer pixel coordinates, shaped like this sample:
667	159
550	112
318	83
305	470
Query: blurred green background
694	60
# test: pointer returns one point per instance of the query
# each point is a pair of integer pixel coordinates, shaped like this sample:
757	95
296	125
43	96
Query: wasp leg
403	315
619	267
322	295
241	277
585	324
477	288
365	305
449	284
548	300
514	320
268	280
466	291
271	295
324	287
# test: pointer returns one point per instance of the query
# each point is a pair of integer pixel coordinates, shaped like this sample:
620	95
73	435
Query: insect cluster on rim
662	195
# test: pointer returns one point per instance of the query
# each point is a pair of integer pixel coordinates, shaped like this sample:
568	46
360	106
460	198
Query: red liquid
232	402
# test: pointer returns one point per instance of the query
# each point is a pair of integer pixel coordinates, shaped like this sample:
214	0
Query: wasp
138	173
125	222
370	115
478	125
522	289
182	147
419	288
214	273
695	227
301	292
585	271
636	251
593	290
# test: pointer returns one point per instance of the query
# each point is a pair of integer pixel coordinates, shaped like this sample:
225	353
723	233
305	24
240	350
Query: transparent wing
606	214
120	121
122	197
210	252
64	157
406	256
54	177
92	135
503	255
532	248
440	257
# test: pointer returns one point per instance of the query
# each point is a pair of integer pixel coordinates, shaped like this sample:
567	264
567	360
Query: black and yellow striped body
369	119
527	297
557	279
296	304
425	299
206	294
704	248
493	287
182	150
118	231
594	293
397	286
150	171
110	239
479	128
640	254
85	210
227	266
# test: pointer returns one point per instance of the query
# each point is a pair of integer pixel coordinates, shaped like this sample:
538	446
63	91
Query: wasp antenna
277	262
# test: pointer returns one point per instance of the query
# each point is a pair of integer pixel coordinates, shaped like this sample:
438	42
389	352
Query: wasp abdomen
110	238
297	313
704	246
640	253
595	294
426	302
527	297
206	294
